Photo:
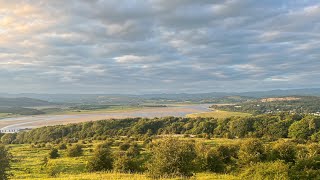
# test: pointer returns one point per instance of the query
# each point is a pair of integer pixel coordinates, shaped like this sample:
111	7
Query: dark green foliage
54	153
172	157
124	146
75	150
5	159
62	146
266	126
102	159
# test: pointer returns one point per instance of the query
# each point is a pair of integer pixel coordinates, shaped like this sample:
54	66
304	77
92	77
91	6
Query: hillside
296	104
22	102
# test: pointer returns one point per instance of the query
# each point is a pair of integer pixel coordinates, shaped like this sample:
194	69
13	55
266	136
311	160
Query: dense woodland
268	126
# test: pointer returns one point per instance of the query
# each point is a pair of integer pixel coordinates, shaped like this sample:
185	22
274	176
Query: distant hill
22	102
211	97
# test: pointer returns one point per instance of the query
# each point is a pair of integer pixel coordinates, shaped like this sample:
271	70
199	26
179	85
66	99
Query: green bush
62	146
125	164
75	150
5	158
284	151
172	158
102	159
251	151
54	153
277	170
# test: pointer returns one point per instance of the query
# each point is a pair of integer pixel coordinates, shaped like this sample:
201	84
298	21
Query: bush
172	158
75	150
54	153
101	160
284	151
306	169
267	171
62	146
124	146
5	159
133	150
125	164
8	138
251	151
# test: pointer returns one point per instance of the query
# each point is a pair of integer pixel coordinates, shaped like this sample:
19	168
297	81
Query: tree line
267	126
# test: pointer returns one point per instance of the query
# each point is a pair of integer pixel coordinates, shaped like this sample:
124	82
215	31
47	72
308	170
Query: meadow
32	162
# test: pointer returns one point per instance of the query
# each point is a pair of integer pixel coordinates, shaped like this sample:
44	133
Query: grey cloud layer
158	46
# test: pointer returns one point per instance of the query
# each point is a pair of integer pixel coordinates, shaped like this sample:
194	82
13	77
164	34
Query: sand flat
47	120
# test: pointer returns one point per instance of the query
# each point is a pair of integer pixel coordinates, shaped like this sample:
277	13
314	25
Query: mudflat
47	120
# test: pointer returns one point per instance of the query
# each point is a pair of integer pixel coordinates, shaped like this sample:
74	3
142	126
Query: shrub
251	151
75	150
62	146
124	163
284	151
267	171
171	158
124	146
54	153
101	160
5	159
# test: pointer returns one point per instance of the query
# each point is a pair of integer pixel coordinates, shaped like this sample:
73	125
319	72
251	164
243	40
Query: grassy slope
219	114
28	161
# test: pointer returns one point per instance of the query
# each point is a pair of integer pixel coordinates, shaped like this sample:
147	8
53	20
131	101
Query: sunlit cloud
109	46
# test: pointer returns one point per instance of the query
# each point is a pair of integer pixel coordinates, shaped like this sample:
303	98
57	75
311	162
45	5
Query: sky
158	46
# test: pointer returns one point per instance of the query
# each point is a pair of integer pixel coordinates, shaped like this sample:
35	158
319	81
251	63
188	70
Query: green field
219	114
28	163
4	115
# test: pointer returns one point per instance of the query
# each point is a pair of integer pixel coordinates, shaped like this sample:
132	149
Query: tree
251	151
102	159
304	128
75	150
172	157
5	159
8	138
54	153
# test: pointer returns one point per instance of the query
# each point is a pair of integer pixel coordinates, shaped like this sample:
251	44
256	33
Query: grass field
4	115
28	163
218	114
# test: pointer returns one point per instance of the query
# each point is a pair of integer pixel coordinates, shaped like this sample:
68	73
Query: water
18	123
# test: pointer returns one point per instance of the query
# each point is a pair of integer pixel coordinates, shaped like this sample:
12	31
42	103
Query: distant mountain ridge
130	98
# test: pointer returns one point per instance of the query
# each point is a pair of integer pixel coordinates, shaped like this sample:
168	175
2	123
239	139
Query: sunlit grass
28	163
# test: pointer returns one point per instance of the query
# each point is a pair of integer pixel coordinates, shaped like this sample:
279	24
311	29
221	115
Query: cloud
102	46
